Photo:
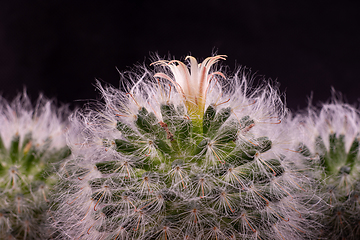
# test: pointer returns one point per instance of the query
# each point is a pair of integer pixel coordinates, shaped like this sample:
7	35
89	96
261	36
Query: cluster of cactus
183	152
207	160
31	140
330	142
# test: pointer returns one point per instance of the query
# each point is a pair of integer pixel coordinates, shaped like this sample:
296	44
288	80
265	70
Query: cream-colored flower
191	83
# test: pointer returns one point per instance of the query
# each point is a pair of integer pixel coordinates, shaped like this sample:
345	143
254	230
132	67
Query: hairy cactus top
330	142
31	139
186	153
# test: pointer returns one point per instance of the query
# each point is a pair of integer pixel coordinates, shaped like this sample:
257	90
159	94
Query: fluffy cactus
186	153
31	140
330	142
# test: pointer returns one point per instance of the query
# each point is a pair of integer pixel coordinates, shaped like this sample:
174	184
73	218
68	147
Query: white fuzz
329	140
31	142
157	174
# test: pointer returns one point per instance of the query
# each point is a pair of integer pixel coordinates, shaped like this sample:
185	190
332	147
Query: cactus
183	154
31	140
330	142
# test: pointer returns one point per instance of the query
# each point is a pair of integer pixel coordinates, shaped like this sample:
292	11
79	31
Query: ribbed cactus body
331	144
151	164
30	142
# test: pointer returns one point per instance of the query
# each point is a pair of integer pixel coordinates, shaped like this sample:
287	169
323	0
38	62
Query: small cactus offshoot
330	142
31	140
185	153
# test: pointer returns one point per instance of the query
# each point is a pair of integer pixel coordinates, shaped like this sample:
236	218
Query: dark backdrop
59	47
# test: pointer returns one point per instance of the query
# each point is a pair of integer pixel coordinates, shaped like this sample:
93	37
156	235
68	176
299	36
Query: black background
60	47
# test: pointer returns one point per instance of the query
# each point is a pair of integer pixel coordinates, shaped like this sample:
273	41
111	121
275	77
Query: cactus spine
30	141
331	144
183	154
